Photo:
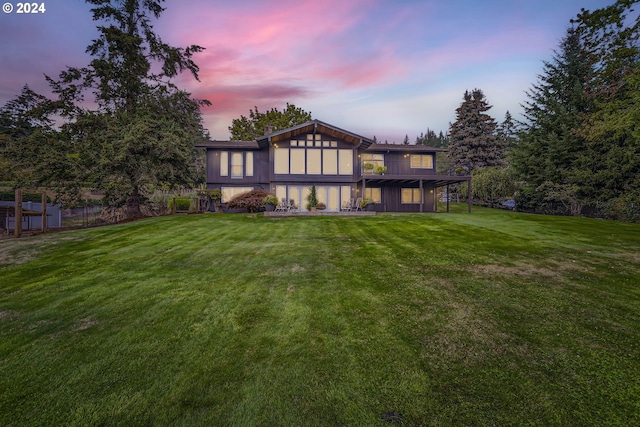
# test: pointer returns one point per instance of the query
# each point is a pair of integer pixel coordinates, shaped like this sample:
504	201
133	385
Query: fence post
44	212
17	229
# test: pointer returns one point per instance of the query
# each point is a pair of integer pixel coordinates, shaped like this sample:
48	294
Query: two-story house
342	165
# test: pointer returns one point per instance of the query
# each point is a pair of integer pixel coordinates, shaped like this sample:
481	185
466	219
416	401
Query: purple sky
385	68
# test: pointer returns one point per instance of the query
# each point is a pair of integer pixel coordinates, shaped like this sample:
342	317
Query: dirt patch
8	315
20	251
84	324
526	270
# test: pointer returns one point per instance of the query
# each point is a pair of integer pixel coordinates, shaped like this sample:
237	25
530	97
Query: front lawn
489	318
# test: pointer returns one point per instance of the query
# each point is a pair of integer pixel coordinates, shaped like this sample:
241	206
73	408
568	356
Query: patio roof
437	180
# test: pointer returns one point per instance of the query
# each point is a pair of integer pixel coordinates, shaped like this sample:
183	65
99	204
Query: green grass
492	318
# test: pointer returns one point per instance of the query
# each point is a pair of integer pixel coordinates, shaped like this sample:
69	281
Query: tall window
329	161
422	161
281	161
345	162
249	163
224	163
297	161
236	165
314	164
410	195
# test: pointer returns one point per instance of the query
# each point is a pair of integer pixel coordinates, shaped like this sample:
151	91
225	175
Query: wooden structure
18	213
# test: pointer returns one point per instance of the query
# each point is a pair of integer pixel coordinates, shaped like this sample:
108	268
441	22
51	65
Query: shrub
312	198
270	199
251	200
182	204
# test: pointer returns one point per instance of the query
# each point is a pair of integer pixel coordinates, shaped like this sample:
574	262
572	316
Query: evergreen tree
473	143
549	147
508	131
546	155
406	140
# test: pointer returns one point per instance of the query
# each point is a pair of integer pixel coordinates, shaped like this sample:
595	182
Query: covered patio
415	181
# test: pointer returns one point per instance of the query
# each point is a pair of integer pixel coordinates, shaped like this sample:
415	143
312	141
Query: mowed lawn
489	318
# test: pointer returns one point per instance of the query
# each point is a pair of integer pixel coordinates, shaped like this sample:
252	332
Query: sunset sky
387	68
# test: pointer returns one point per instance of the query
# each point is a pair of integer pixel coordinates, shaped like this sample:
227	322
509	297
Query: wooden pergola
18	213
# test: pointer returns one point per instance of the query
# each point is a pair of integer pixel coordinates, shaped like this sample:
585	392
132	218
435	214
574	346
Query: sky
384	68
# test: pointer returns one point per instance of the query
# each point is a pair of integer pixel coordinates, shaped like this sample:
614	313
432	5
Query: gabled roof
315	126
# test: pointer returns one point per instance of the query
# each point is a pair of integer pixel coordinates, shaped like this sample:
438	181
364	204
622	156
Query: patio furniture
357	205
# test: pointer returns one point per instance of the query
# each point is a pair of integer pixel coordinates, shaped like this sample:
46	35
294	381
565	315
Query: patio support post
469	195
448	197
421	197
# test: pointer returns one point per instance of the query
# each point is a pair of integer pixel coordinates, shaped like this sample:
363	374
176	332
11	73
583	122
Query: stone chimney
267	129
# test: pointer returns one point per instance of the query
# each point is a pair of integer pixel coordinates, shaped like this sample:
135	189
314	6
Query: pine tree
473	143
508	131
545	157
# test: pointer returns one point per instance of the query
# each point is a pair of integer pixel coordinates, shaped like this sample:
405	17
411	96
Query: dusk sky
387	68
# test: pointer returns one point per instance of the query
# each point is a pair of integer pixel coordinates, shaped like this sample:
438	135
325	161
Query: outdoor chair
346	205
281	207
357	205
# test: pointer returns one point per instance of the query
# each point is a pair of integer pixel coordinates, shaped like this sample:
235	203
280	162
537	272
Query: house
342	165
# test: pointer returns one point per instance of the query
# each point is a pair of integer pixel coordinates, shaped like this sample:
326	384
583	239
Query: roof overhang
414	148
313	127
245	145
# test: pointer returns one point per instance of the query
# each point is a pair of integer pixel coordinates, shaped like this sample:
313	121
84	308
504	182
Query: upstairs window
224	163
237	165
422	161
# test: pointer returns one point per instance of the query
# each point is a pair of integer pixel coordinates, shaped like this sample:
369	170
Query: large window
423	161
345	162
281	161
370	162
229	193
314	161
373	194
297	161
330	162
410	195
313	156
236	165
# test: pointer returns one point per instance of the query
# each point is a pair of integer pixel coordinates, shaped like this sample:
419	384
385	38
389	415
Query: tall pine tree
473	143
